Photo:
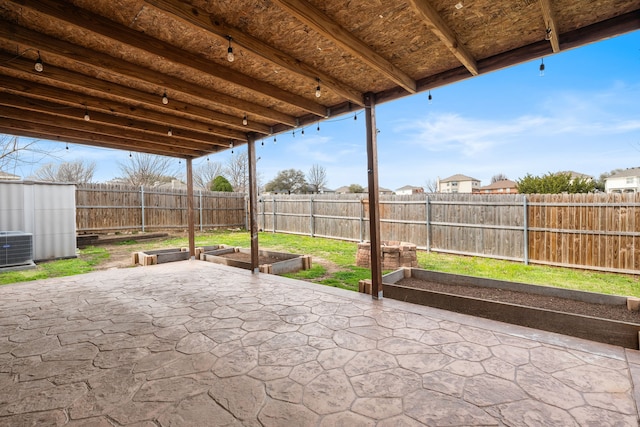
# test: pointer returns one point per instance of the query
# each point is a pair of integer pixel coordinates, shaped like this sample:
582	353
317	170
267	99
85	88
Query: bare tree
498	177
204	174
15	152
316	178
146	169
431	186
237	171
76	172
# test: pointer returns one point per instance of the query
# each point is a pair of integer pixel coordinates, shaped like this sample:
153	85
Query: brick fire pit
394	255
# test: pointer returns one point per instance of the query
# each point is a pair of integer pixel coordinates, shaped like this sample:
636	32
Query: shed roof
113	61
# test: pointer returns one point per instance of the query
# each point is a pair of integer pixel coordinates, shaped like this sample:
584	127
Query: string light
318	91
293	132
542	67
170	132
302	132
67	146
245	121
355	116
207	158
275	141
430	98
262	142
165	98
38	66
230	55
86	115
318	128
130	154
547	34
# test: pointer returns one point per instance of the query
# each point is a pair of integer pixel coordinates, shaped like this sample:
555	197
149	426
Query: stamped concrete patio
199	344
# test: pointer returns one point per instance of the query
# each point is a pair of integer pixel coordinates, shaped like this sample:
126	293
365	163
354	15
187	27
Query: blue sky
582	115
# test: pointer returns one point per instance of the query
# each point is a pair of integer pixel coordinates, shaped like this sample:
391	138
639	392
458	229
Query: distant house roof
380	190
409	187
575	174
503	183
342	190
459	177
5	176
626	173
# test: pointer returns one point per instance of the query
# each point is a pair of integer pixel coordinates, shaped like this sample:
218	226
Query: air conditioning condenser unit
16	248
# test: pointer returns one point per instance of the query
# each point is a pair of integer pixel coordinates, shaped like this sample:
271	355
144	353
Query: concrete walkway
198	344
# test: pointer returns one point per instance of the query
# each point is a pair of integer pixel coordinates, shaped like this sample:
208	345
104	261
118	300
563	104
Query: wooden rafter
551	28
180	137
202	20
45	92
435	23
130	96
101	129
127	36
53	47
33	129
330	30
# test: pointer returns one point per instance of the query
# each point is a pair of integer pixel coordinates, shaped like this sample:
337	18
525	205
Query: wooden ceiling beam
203	20
50	46
180	137
130	96
124	35
436	24
51	93
306	13
53	133
70	125
550	25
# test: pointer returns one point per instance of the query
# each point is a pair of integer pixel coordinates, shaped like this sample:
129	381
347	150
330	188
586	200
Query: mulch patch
605	311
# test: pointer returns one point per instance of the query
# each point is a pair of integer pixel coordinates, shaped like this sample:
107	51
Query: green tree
220	183
554	183
288	181
356	188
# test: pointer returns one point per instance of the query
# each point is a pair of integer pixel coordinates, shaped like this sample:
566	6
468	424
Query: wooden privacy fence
591	231
104	207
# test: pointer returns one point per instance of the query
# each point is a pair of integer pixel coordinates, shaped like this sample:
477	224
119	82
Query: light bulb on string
38	66
245	121
355	116
130	154
318	91
170	132
275	141
230	56
262	142
86	115
302	132
67	146
318	128
165	98
430	98
293	132
541	67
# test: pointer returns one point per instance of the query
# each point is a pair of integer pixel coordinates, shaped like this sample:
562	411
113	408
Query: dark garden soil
605	311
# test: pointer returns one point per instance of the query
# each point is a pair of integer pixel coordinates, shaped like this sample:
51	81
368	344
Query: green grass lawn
334	264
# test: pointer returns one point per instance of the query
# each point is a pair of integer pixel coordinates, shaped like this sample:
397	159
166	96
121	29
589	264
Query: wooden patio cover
156	76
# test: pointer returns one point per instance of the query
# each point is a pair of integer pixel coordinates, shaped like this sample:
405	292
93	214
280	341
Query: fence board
107	207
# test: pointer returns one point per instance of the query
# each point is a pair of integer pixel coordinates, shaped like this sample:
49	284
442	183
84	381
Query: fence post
428	224
311	222
247	203
525	227
200	199
142	204
264	214
274	214
361	220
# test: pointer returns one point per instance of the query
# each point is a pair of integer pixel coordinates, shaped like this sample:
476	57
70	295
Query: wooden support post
253	205
190	221
374	207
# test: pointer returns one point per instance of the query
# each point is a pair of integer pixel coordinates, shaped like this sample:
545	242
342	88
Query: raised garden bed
160	256
593	316
270	262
